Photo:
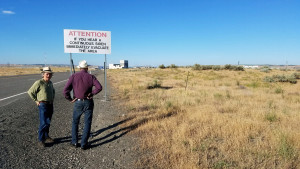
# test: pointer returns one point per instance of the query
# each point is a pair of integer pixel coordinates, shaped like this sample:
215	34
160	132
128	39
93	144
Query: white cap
83	64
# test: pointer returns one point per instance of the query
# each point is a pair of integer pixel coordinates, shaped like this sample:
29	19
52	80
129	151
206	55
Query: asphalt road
13	87
111	145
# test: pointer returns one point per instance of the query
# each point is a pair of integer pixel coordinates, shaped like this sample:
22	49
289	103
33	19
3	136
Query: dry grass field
211	119
13	71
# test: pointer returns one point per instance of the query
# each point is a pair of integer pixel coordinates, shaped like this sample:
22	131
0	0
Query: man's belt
83	99
46	102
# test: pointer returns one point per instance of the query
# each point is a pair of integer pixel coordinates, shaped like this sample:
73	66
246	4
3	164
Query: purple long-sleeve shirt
82	84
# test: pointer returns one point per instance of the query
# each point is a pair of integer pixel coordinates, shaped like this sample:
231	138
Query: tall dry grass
13	71
211	119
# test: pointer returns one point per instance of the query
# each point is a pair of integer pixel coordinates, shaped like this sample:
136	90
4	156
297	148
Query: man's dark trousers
85	107
45	113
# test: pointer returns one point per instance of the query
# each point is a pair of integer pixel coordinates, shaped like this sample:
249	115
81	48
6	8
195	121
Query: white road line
60	81
26	92
12	96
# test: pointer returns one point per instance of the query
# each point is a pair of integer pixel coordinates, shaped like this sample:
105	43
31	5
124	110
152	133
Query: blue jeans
45	113
82	107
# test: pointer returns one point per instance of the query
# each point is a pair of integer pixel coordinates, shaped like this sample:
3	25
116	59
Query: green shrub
265	69
162	66
286	149
278	90
196	67
172	66
281	78
125	92
154	84
293	81
228	67
206	67
296	75
238	68
253	85
232	67
271	117
269	79
216	67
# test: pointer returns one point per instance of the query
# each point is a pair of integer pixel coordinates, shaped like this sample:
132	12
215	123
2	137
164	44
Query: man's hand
37	103
90	96
73	100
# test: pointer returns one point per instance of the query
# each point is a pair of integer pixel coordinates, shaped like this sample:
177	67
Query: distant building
123	65
250	67
114	66
93	67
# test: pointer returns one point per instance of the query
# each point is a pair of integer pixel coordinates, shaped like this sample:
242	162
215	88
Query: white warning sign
87	41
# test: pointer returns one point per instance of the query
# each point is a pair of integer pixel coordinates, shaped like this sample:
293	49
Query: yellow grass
224	119
12	71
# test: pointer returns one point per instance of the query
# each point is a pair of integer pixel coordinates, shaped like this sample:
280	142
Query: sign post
72	69
90	42
105	96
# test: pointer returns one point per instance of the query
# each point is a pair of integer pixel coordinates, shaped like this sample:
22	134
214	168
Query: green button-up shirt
42	91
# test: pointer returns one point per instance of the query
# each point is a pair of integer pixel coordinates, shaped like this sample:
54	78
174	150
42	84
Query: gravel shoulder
112	146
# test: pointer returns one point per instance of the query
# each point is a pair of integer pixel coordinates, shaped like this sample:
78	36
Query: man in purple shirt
82	84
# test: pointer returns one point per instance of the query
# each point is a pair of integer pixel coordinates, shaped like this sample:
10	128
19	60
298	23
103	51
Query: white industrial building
123	65
250	67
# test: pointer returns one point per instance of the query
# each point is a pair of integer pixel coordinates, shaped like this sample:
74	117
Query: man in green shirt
42	92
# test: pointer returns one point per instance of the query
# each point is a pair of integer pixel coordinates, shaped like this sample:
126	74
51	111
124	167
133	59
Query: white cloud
8	12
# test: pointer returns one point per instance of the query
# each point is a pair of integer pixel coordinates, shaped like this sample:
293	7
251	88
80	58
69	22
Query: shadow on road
94	143
62	140
123	131
94	134
114	132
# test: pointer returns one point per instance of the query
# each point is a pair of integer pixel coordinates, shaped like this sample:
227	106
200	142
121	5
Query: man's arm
98	86
67	89
34	89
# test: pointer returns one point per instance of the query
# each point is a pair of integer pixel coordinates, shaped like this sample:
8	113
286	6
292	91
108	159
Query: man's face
47	76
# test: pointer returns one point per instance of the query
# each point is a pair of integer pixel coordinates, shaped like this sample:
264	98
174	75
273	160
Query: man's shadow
115	133
94	143
123	131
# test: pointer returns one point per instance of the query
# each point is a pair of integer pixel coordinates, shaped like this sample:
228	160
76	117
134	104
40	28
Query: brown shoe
49	140
41	144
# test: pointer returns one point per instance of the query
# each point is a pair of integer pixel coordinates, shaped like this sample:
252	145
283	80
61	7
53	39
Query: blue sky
154	32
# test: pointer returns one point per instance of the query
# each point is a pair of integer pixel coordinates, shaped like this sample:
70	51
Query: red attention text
90	34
